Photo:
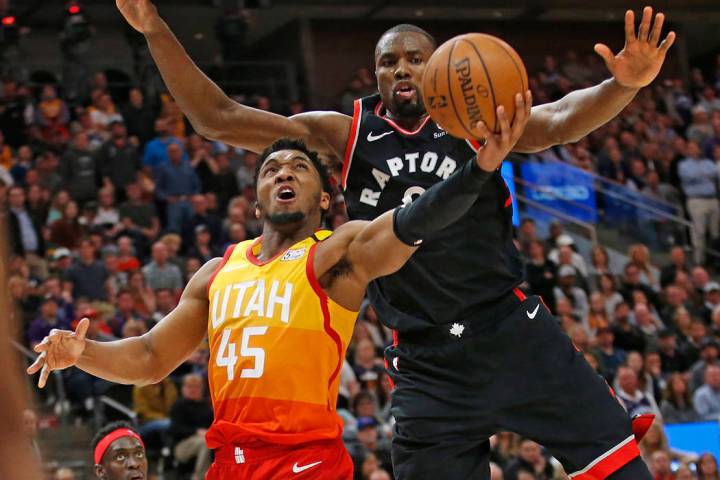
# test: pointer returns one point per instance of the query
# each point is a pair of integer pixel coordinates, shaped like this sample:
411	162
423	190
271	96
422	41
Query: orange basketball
467	78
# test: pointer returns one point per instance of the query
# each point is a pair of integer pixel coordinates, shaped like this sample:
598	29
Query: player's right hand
498	145
60	349
140	14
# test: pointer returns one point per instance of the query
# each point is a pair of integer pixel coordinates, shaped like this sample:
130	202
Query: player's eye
387	62
140	454
270	170
416	60
302	166
119	457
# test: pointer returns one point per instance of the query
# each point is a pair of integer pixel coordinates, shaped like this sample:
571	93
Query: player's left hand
639	62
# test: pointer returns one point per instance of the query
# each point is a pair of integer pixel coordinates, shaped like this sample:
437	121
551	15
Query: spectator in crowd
672	360
190	417
201	248
176	183
699	177
165	303
677	406
159	273
157	152
633	281
119	159
25	232
568	290
693	342
631	397
609	356
152	403
46	321
660	466
87	276
139	217
707	467
144	295
80	170
201	216
139	118
530	459
707	397
125	312
709	353
372	441
627	336
66	231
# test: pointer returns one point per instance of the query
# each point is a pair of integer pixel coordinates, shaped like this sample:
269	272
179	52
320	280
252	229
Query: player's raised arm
215	115
137	360
359	252
582	111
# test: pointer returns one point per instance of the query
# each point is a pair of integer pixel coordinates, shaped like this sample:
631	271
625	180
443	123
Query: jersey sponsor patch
295	254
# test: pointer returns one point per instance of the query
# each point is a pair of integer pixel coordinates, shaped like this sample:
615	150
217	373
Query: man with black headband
279	313
119	453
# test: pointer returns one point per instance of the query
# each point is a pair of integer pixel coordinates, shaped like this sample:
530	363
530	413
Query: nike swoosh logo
298	469
531	316
372	138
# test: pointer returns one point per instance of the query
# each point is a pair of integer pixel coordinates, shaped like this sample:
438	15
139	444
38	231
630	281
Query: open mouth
137	476
405	91
286	193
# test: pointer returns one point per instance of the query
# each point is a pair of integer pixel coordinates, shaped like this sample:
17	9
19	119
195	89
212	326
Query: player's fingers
606	54
44	374
39	362
645	24
482	131
504	124
82	328
667	43
629	26
42	346
657	29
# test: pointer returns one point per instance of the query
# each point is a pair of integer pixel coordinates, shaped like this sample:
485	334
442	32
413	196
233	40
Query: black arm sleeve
441	205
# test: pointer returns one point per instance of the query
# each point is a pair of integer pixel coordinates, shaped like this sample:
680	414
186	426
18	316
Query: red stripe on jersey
609	463
519	294
222	263
398	127
351	142
474	144
310	271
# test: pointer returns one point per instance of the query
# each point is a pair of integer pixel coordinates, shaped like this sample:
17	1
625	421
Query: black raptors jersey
471	262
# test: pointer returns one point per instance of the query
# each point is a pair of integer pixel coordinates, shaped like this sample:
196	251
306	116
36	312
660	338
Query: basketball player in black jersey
471	354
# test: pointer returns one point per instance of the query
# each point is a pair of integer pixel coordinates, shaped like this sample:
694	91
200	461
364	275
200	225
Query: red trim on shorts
395	338
519	294
351	141
310	272
224	260
398	127
509	199
610	462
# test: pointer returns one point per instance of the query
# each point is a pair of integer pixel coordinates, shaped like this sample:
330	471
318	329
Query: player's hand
499	145
140	14
639	62
60	349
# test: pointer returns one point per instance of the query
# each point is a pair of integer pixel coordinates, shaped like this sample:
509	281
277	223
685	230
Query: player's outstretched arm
359	252
215	115
139	360
582	111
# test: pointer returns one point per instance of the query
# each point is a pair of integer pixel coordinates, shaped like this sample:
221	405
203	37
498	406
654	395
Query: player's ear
100	471
258	212
325	201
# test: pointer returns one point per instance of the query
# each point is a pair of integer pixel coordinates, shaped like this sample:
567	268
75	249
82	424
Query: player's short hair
299	145
408	27
110	427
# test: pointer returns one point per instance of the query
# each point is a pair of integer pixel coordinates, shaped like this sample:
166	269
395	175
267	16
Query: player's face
123	460
399	64
289	188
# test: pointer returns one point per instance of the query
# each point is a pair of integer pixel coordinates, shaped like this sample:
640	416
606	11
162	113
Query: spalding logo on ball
467	78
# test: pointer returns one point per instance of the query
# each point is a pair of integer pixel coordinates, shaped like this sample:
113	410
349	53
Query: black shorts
510	369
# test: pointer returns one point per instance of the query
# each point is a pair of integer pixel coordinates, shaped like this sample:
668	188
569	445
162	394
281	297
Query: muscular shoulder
198	285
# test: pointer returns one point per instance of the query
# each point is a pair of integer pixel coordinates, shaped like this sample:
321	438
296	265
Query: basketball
467	78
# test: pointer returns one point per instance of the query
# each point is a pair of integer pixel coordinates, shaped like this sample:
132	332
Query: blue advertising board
561	187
